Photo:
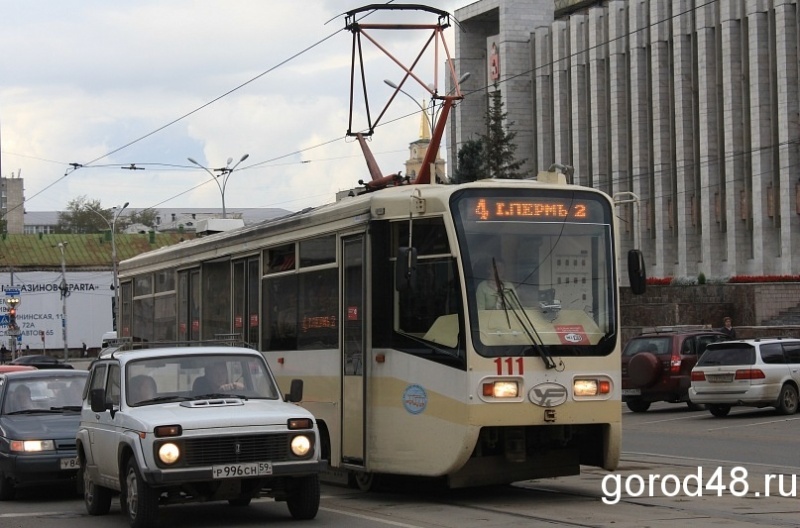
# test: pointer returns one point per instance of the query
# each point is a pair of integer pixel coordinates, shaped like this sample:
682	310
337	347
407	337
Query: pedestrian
727	328
85	350
3	352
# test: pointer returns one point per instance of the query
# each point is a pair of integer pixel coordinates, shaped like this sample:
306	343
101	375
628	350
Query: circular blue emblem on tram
415	399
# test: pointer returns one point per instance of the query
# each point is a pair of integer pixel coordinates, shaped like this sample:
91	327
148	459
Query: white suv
750	372
171	425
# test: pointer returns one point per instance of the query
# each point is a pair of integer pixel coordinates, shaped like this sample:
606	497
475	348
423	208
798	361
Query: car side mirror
636	272
97	400
295	391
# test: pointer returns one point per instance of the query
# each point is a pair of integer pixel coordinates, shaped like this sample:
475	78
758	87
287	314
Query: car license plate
70	463
719	378
253	469
631	392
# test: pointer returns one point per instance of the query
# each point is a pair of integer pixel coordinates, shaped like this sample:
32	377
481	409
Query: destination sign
533	209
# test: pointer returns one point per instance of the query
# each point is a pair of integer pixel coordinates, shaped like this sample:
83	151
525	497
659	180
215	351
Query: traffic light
12	313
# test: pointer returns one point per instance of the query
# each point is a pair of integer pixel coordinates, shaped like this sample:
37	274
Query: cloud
82	80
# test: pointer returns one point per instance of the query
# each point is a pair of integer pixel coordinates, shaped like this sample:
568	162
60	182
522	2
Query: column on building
619	124
561	94
788	120
579	96
543	97
709	142
738	250
687	187
598	97
662	112
641	163
763	143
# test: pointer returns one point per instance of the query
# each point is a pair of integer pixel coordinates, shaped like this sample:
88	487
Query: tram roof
393	202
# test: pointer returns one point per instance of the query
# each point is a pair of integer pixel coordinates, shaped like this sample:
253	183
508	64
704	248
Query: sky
104	85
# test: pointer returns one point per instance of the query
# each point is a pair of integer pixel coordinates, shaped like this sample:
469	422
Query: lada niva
185	424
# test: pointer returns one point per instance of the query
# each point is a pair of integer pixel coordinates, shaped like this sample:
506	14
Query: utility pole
64	294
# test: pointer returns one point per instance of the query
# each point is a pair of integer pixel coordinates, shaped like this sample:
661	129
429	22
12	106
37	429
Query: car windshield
58	393
728	354
654	345
181	378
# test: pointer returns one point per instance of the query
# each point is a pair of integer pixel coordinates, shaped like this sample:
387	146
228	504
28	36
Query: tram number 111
509	365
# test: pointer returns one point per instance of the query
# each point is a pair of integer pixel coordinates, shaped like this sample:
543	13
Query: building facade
12	198
689	110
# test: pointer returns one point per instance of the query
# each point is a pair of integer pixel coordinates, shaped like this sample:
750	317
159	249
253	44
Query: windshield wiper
66	408
530	330
33	411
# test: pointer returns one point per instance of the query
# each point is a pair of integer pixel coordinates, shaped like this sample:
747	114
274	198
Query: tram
469	332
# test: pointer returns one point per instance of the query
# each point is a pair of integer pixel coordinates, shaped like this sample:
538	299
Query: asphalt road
678	467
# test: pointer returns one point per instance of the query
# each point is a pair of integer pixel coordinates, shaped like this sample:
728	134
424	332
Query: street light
116	211
224	173
64	293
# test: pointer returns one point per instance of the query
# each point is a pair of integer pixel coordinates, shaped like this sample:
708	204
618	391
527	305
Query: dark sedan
39	417
42	362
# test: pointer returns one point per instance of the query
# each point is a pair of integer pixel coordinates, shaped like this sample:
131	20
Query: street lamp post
224	173
116	211
64	293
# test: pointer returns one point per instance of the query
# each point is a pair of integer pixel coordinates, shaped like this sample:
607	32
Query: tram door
353	345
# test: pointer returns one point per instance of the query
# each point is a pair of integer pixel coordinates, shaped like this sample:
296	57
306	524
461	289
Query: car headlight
501	389
169	453
301	445
32	446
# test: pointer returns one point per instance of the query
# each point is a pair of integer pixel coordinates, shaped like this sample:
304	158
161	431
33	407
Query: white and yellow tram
469	332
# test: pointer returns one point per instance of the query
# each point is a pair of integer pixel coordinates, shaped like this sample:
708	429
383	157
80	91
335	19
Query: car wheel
97	498
141	501
638	406
303	498
787	400
719	410
643	369
7	490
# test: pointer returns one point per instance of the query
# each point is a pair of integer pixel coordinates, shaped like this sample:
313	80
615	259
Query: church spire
424	125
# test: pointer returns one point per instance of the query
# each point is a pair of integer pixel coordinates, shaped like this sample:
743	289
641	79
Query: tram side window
280	313
319	302
280	258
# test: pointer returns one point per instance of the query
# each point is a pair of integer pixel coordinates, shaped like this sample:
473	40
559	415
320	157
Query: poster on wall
41	316
493	58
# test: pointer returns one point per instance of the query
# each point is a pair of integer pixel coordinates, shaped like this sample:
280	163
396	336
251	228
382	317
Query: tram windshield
539	271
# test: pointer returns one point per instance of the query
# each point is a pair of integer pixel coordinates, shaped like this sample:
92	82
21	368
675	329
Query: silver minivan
751	372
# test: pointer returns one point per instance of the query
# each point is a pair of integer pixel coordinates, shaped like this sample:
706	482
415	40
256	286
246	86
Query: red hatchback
657	366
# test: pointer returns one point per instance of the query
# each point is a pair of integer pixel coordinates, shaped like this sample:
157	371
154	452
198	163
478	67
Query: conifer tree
470	162
498	142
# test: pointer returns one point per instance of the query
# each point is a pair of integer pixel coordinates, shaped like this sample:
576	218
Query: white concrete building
692	105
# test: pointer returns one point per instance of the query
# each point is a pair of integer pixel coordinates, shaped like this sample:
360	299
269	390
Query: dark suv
657	366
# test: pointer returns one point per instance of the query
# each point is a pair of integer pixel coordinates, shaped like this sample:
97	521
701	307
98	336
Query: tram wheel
363	480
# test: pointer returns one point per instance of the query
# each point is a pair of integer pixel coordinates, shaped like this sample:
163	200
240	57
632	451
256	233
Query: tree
84	216
145	217
470	162
498	142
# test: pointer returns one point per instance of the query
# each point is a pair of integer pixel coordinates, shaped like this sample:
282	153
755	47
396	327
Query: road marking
31	514
372	518
735	426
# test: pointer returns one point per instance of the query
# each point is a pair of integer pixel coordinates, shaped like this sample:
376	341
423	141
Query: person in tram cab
215	380
488	292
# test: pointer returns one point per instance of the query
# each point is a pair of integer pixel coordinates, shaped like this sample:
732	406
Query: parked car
39	417
657	366
41	361
749	372
211	424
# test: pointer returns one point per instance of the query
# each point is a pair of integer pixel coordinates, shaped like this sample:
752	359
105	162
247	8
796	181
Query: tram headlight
591	387
169	453
501	389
